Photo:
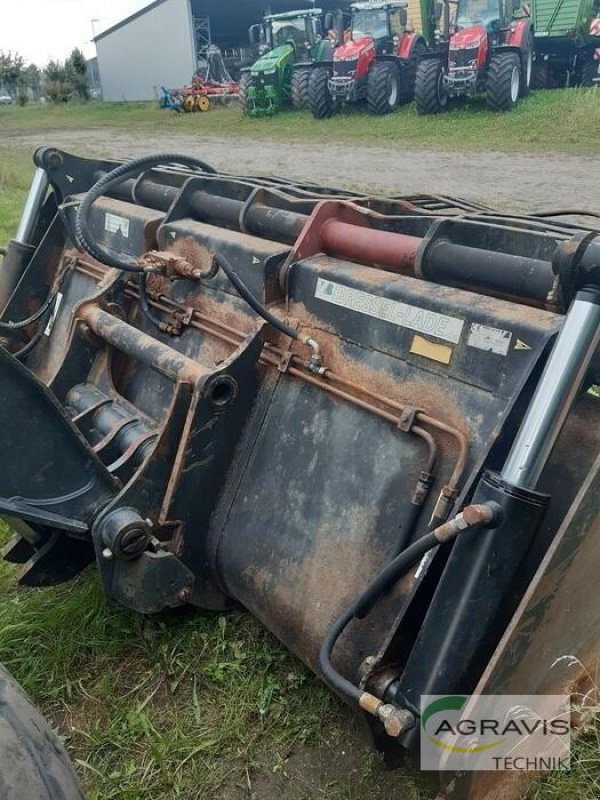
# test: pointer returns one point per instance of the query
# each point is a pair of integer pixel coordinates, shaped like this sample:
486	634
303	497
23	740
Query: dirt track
517	182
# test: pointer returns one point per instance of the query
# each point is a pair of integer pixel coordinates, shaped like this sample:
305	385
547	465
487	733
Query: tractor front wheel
245	82
503	81
431	94
320	101
383	87
299	89
33	762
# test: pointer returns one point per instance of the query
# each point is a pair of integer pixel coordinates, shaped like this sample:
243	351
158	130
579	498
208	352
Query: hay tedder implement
365	419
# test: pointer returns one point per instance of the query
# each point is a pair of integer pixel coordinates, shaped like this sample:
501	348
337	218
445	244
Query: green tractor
567	35
288	45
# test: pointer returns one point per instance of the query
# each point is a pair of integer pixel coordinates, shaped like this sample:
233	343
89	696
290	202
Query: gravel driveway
517	182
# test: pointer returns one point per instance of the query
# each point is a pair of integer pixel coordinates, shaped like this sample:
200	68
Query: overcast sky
43	29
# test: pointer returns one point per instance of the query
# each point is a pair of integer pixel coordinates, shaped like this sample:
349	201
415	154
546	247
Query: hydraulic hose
27	348
477	516
86	239
131	169
37	336
145	305
315	364
254	304
23	323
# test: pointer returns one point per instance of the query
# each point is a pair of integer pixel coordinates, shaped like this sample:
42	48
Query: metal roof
303	12
373	5
129	19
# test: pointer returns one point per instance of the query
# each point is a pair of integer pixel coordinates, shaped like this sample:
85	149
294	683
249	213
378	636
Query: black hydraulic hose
27	348
83	233
145	305
35	339
247	295
487	515
408	530
23	323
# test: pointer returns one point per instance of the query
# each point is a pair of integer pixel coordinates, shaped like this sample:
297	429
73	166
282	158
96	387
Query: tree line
58	81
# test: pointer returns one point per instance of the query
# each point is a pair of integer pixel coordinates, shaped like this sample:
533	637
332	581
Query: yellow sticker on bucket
432	350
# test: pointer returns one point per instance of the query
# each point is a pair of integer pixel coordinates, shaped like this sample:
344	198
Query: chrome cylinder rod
33	206
556	392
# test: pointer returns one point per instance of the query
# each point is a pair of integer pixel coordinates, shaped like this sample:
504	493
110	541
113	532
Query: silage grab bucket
365	419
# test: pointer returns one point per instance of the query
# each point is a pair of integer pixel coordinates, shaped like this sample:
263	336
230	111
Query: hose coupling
315	364
170	265
422	488
396	721
483	515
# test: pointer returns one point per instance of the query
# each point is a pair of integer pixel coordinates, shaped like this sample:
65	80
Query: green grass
16	169
180	705
193	705
565	120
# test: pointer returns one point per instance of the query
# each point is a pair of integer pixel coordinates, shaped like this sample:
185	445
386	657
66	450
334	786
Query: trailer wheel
527	66
540	74
431	94
33	763
503	81
202	103
383	87
409	73
320	101
300	82
245	82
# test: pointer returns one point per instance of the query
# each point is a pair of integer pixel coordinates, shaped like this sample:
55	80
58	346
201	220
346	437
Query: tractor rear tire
540	74
503	81
245	81
383	87
33	763
409	73
299	88
320	102
431	96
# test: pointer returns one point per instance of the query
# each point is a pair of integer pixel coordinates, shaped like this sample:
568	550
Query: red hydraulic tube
395	251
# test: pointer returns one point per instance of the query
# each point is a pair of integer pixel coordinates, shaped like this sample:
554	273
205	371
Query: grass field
564	121
196	705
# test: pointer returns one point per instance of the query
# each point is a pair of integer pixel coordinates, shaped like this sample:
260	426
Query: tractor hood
468	37
274	59
353	49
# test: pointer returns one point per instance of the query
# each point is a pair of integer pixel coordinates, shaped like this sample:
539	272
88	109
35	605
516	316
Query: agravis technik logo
495	732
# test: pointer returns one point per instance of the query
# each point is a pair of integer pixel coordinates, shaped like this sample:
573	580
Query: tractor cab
300	29
382	24
491	15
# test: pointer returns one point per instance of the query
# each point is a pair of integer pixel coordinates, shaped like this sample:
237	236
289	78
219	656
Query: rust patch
195	253
298	599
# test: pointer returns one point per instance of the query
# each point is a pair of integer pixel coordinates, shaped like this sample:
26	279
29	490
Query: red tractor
376	61
488	48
